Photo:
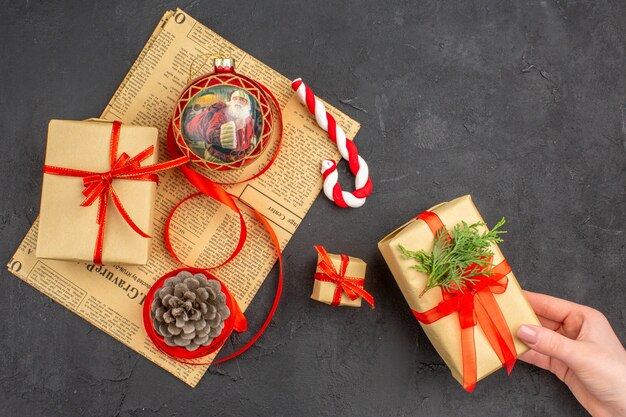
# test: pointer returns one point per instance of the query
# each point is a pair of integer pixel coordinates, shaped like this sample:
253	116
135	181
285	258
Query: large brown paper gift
329	292
67	230
445	334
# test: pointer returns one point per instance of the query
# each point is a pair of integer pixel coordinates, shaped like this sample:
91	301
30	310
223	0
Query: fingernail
528	335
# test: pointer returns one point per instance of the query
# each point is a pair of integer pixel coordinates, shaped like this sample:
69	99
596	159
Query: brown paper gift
68	230
445	334
331	292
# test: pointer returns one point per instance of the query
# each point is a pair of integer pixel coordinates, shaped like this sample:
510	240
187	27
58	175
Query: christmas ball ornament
189	310
224	120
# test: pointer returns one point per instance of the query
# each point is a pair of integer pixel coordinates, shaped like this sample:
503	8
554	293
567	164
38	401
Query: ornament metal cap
224	63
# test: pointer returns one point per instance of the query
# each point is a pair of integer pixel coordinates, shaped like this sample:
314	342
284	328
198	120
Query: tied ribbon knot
351	286
475	304
99	185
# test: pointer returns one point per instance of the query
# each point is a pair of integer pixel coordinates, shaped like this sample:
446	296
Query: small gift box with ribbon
472	327
340	280
98	192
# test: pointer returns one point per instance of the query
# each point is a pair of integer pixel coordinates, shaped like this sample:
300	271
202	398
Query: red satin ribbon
475	304
212	189
238	324
351	286
99	185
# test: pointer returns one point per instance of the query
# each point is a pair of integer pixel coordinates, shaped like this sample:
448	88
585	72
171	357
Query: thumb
551	343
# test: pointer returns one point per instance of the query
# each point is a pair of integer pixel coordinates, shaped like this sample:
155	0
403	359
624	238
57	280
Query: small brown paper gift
445	332
340	280
68	230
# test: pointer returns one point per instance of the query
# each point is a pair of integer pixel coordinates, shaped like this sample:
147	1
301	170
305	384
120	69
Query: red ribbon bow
99	186
475	304
351	286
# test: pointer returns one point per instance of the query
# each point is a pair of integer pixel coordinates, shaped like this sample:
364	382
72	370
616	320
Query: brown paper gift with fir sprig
445	333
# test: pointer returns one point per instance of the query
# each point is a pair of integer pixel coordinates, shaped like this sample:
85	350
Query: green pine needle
448	264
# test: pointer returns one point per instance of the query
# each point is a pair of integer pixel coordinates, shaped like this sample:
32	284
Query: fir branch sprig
450	265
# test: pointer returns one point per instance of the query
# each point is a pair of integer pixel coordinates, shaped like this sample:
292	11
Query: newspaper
111	297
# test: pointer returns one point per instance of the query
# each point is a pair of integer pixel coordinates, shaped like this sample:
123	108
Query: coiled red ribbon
181	355
99	185
475	304
353	287
214	190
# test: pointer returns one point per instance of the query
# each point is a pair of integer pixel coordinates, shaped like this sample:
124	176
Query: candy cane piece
347	149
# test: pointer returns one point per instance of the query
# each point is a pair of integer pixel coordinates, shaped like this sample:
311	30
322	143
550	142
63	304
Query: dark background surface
520	103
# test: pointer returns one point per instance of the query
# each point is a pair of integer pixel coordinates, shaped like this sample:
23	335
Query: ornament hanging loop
201	64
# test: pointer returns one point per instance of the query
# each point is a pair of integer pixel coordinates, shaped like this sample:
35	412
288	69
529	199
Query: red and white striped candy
347	149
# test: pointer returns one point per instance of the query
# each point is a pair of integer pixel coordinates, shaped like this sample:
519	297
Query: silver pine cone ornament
189	310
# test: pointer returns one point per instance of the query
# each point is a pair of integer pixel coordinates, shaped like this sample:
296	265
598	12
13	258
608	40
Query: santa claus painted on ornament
227	129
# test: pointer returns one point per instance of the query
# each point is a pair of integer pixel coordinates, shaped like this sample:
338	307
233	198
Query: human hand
578	345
